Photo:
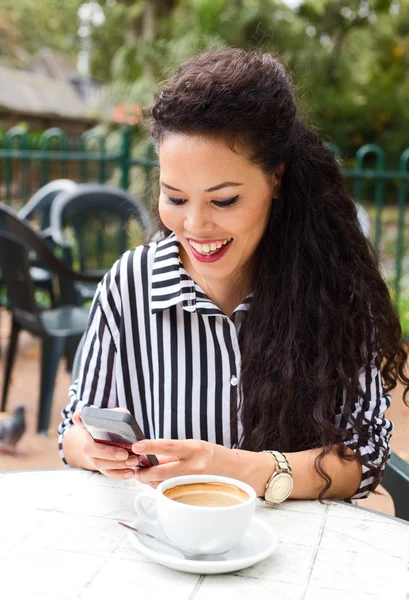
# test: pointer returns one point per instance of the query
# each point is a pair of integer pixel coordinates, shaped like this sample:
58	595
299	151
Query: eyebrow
215	188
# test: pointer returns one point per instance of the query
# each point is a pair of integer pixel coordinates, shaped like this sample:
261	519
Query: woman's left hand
182	457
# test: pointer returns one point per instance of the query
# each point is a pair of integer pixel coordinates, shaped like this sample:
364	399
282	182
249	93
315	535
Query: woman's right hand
108	460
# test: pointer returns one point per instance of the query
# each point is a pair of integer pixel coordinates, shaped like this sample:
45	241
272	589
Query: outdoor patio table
59	539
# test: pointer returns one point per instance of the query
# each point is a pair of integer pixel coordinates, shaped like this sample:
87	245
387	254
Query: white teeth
209	248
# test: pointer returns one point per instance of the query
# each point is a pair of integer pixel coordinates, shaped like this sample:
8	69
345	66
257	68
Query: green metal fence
384	194
27	162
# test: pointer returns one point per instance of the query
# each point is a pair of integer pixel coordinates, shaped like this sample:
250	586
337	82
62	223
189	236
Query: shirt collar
171	284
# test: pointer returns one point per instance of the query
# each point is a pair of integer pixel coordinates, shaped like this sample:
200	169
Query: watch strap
282	467
282	464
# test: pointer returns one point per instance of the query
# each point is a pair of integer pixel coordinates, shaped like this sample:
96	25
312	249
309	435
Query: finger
134	460
110	465
166	471
76	419
179	448
99	450
119	474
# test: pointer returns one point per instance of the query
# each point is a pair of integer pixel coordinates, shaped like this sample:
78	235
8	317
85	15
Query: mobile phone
116	428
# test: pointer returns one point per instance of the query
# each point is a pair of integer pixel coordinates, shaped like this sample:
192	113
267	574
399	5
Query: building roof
51	63
28	93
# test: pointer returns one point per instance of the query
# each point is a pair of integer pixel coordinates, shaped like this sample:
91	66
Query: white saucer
259	542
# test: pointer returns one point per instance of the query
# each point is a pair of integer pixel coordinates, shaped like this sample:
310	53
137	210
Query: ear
276	179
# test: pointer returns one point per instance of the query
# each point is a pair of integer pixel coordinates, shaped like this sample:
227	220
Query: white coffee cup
199	529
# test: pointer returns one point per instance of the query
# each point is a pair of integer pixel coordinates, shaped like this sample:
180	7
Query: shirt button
234	380
189	302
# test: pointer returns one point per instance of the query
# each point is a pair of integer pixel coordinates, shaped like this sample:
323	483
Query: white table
59	539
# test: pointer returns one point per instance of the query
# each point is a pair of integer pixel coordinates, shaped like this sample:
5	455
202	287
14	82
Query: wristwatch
280	484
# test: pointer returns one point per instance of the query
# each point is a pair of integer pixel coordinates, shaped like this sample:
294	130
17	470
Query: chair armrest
53	234
396	482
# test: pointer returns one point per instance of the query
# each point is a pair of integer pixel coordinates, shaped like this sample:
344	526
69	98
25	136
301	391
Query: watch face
280	488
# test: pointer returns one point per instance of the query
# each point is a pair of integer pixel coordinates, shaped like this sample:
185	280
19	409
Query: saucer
259	542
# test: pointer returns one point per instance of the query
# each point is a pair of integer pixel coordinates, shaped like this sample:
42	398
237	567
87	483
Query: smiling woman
220	226
257	340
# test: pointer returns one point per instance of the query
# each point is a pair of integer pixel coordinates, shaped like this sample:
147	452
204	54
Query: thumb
76	419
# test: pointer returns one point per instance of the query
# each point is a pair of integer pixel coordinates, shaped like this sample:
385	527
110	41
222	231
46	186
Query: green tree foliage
35	24
349	58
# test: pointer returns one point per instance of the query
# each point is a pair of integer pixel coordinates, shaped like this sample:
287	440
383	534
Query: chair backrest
12	224
77	359
15	265
396	482
98	218
39	204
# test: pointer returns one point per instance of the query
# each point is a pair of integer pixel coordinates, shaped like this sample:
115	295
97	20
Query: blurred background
74	77
85	70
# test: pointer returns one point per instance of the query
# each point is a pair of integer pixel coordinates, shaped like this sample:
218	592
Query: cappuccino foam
209	494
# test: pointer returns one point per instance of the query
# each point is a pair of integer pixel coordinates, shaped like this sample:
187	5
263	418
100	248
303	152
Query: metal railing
28	162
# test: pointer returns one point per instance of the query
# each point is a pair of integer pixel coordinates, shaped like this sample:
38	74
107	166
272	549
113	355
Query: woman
261	322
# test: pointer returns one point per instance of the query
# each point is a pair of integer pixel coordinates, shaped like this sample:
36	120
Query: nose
197	219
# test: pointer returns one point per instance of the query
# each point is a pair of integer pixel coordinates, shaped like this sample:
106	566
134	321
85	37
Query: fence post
19	134
125	157
361	154
150	160
99	139
54	133
403	168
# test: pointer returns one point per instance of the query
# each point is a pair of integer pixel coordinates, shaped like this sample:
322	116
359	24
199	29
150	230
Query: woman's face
216	202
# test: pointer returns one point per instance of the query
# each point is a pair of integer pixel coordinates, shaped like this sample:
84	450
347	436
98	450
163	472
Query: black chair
41	277
39	206
396	482
37	212
77	359
67	322
98	220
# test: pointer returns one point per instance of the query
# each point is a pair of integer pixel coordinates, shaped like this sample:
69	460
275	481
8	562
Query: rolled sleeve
96	382
372	445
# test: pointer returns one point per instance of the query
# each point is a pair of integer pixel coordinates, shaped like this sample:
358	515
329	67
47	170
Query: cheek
169	216
253	222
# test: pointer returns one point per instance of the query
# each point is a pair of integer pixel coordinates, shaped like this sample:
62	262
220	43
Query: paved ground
40	452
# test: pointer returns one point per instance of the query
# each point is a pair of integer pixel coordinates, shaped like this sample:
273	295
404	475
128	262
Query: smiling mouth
208	249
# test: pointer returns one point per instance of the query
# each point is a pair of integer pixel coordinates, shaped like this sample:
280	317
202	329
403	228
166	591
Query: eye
224	203
176	201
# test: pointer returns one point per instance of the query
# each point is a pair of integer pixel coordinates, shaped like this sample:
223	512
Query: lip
209	258
208	241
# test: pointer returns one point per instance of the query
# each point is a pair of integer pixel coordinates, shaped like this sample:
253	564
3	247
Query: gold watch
280	484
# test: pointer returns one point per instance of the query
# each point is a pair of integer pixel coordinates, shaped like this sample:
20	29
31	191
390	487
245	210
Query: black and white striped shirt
157	345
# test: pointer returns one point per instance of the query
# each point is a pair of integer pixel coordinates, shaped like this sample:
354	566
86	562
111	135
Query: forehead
202	157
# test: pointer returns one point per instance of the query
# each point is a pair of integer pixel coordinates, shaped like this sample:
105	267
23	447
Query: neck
226	294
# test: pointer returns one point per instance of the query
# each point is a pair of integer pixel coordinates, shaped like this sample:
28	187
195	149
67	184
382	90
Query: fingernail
138	446
128	474
121	455
132	462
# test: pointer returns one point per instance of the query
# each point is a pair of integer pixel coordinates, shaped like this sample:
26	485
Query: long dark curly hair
320	311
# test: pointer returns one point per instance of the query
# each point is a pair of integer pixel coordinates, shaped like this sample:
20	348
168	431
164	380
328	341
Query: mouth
209	251
209	248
